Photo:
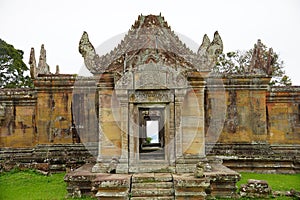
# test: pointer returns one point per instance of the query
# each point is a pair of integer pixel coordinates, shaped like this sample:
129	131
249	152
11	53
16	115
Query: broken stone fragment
255	188
207	167
199	171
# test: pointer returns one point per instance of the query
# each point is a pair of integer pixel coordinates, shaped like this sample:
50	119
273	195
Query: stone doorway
151	133
151	141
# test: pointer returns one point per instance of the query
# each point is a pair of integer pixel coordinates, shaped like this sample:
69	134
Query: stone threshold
221	182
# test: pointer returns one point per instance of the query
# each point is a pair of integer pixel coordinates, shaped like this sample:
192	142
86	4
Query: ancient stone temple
150	94
153	121
151	98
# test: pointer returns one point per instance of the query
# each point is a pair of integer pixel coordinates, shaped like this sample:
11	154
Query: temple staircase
152	186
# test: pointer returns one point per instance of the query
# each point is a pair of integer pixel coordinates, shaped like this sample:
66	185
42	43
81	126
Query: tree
240	62
12	67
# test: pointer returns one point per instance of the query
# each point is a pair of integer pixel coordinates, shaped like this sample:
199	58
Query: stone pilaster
190	146
178	104
123	161
105	91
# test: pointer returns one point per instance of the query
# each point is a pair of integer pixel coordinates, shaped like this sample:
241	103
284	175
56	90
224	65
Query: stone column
179	97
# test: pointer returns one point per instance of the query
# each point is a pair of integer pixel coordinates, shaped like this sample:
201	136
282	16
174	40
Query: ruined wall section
283	109
245	119
85	108
53	108
17	117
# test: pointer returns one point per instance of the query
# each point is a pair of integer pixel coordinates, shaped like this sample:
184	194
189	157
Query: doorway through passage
151	133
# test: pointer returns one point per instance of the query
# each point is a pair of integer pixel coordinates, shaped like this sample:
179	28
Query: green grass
30	185
278	182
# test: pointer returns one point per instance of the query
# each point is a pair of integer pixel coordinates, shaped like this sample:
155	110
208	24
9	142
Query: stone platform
220	182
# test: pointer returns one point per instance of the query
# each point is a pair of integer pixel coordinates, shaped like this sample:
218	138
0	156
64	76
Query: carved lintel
161	96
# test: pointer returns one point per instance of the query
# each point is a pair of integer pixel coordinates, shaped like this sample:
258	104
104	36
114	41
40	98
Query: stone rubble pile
255	189
292	193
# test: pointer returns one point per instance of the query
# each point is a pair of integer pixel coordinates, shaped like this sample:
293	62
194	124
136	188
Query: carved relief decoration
160	96
152	76
150	40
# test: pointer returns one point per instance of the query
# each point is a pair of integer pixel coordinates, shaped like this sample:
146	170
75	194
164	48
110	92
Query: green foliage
238	62
12	67
148	140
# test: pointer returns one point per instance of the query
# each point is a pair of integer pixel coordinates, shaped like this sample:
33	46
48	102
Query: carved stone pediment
152	76
150	40
132	60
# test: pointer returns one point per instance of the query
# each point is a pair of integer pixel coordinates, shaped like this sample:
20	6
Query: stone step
152	192
153	198
112	195
152	185
151	168
151	177
190	195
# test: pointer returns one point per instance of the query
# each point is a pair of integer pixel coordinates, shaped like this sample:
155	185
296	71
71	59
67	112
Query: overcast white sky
59	25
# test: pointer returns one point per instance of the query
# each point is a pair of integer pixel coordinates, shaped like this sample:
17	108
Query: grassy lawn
30	185
278	182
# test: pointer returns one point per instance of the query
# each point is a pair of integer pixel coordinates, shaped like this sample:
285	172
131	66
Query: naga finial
88	52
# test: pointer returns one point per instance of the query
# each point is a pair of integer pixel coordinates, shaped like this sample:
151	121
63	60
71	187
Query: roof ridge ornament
32	63
258	63
208	52
43	67
151	35
88	52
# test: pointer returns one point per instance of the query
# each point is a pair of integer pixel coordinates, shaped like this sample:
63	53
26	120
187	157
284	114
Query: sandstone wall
37	116
236	110
252	113
247	110
53	109
283	110
18	118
